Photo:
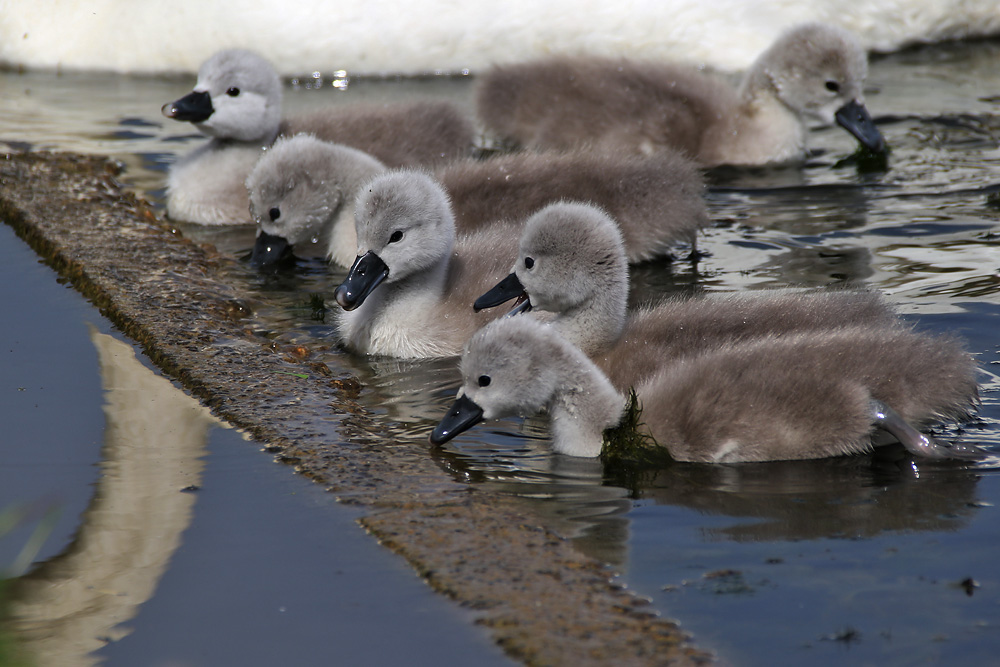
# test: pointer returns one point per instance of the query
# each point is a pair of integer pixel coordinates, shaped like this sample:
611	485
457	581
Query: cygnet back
683	326
658	200
803	395
402	134
606	104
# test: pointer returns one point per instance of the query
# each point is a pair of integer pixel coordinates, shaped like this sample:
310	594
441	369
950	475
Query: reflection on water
925	232
74	603
806	500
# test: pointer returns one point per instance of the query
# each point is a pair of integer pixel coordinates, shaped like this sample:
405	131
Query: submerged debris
969	585
848	635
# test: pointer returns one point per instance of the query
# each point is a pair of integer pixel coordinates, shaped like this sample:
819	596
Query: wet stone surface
544	601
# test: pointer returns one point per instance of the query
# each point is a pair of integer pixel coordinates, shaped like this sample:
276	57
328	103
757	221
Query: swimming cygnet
801	396
410	290
296	187
812	71
237	102
571	263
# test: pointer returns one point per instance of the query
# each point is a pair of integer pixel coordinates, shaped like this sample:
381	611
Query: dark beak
269	251
505	290
194	107
854	118
463	415
367	273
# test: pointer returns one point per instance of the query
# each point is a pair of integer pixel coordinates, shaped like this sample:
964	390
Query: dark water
875	561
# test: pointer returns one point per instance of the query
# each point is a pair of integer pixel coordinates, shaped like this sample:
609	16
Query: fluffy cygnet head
518	366
237	96
404	226
509	370
819	70
299	190
569	252
571	261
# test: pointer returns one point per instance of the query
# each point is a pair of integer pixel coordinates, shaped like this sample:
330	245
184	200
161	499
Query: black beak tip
876	144
439	436
461	416
271	252
854	118
342	295
195	107
505	290
366	274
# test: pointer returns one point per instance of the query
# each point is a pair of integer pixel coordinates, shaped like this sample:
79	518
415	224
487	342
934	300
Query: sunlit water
859	559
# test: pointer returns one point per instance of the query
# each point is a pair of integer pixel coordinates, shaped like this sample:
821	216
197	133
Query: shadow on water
879	559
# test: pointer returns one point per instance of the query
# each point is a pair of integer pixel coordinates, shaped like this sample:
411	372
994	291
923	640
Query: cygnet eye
528	262
396	236
484	380
233	92
833	86
275	213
